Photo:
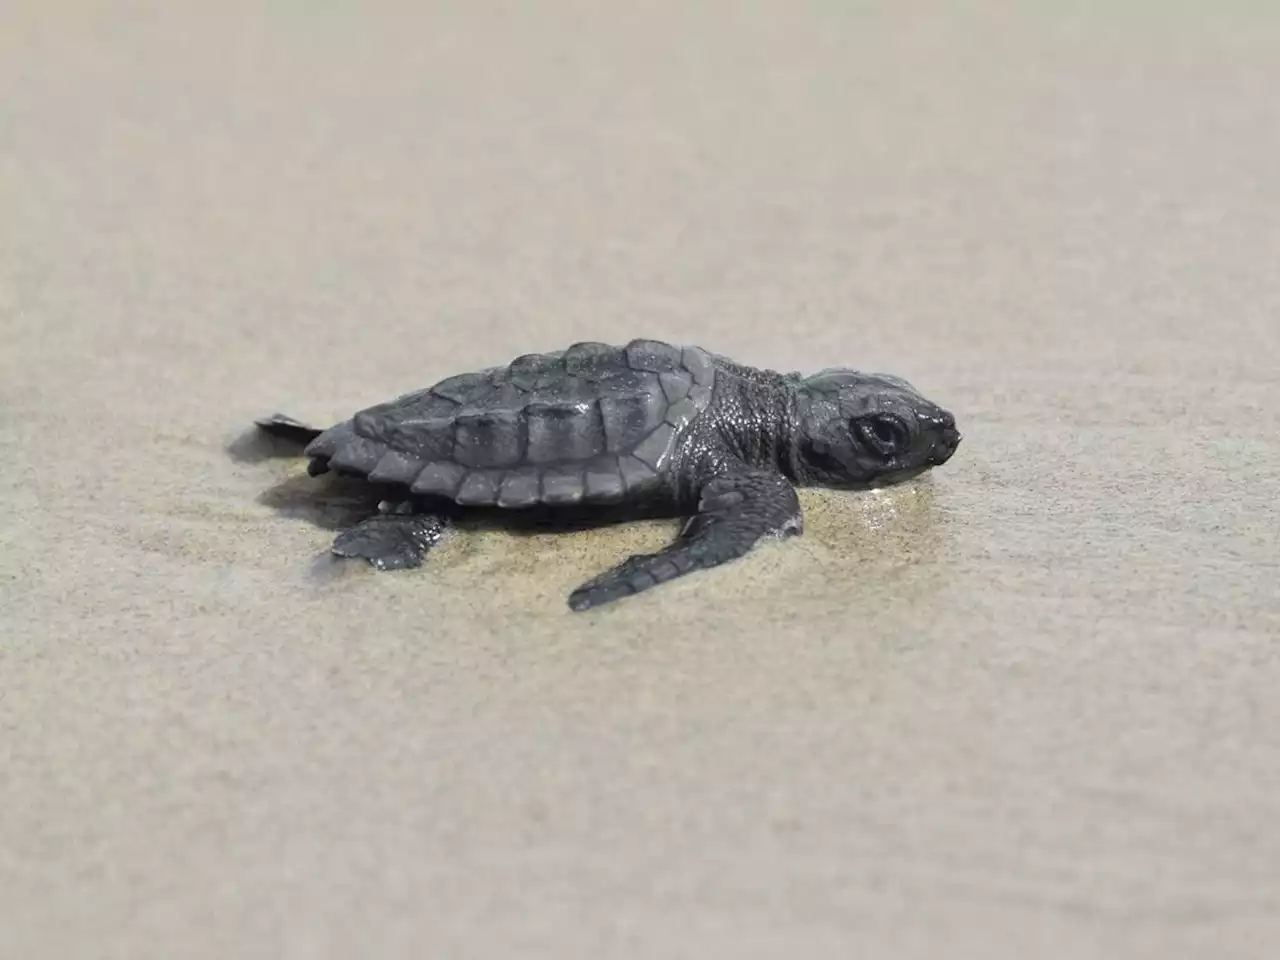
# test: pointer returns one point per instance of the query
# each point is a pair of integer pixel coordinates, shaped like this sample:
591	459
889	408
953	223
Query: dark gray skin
643	427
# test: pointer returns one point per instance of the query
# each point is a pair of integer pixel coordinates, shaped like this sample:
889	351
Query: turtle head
867	429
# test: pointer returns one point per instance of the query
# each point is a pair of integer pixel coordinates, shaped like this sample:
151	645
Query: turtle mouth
945	446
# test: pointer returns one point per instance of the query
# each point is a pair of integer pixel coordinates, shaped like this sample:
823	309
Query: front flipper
393	540
735	511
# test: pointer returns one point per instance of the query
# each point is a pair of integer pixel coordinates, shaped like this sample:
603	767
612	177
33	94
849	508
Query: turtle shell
590	424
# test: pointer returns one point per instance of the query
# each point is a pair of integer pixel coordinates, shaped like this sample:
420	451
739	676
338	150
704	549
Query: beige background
1028	708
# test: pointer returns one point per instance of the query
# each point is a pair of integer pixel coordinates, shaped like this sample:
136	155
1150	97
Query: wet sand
1025	707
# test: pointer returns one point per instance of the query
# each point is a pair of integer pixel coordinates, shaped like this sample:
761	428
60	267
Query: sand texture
1027	707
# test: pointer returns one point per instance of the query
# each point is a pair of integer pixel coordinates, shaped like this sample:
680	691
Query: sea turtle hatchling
596	427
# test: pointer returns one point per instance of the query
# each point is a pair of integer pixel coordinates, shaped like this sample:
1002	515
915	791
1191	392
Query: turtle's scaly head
866	429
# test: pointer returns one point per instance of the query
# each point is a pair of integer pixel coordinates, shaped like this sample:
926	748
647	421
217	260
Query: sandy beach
1023	707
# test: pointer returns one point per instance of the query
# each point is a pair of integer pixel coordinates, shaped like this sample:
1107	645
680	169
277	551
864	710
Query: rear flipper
287	428
735	511
396	540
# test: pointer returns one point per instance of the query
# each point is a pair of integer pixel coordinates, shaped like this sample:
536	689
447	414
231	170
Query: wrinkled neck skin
753	419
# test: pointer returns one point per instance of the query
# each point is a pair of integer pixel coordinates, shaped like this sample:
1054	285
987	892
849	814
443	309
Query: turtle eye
884	434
